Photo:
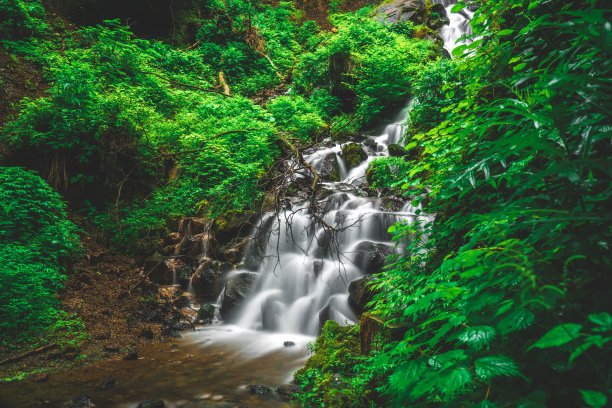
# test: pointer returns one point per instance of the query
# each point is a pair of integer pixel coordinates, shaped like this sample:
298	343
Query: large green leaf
594	398
477	336
494	366
564	333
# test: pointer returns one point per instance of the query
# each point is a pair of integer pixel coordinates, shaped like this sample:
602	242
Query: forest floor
97	290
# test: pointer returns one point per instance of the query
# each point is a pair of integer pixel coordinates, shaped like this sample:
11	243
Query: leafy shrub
506	292
20	19
365	62
295	115
37	242
385	171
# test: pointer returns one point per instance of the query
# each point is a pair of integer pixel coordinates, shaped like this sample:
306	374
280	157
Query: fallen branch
226	88
199	88
29	353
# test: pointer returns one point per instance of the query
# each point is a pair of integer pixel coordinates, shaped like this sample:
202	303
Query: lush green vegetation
37	243
508	145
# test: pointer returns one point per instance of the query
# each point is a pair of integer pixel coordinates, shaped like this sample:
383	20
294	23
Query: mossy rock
353	155
232	224
396	150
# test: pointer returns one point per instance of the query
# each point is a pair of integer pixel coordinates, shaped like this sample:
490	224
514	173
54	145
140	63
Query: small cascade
459	25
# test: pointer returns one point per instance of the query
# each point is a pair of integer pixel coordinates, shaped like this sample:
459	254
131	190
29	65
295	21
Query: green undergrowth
331	375
37	245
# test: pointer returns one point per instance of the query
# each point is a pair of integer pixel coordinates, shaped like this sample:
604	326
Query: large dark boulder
232	224
371	256
360	294
237	288
207	313
288	392
353	155
207	281
155	266
396	150
400	11
234	250
330	170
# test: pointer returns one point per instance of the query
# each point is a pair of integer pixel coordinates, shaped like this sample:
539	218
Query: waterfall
459	25
302	266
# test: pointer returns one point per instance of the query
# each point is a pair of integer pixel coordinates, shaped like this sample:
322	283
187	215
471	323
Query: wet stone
288	344
287	391
81	401
152	403
259	389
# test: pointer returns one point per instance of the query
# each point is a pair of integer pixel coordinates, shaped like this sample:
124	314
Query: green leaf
477	336
504	32
601	319
494	366
516	320
594	398
558	336
454	380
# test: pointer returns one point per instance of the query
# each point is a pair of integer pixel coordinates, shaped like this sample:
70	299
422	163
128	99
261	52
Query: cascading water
306	265
458	26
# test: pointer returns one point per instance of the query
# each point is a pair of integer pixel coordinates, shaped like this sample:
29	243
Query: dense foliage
505	293
36	244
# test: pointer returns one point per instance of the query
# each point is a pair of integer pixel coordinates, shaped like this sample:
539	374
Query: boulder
330	170
287	391
236	289
207	313
256	248
181	270
155	266
360	294
396	150
371	256
400	11
232	224
195	246
152	403
259	389
193	226
234	250
375	331
207	280
81	401
353	154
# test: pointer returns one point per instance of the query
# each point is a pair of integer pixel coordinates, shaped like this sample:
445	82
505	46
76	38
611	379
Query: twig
29	353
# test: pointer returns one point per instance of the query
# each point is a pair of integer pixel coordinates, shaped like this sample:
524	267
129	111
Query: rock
353	154
236	289
336	309
173	238
360	294
396	150
155	266
195	246
146	333
256	248
317	267
181	270
391	204
132	354
330	170
288	344
371	256
373	331
233	251
341	68
287	391
259	389
400	11
232	224
112	348
152	403
207	313
207	280
81	401
193	226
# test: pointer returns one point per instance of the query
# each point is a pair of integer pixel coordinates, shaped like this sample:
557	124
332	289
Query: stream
300	273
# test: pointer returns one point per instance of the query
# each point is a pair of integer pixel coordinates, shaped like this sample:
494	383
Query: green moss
329	377
353	155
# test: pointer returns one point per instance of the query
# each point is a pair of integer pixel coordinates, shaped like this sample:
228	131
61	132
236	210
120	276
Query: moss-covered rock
232	224
396	150
353	154
328	378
